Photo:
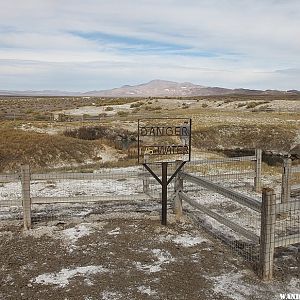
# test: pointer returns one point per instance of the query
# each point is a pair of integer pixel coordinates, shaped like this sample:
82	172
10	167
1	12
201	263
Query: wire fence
221	195
263	227
10	197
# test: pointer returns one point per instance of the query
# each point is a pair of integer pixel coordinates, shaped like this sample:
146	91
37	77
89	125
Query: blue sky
92	45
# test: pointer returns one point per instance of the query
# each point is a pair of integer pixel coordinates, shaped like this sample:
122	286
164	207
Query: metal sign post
163	141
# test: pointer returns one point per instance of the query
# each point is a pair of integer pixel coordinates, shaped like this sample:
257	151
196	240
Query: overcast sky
82	45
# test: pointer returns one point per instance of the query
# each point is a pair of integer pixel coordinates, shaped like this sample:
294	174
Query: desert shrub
136	110
228	101
109	108
154	108
88	133
204	105
252	104
136	104
123	113
241	104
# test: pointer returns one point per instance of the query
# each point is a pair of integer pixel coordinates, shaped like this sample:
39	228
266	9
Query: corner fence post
267	233
286	180
257	179
25	180
178	187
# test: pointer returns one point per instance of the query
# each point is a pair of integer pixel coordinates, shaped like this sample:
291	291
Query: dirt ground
125	256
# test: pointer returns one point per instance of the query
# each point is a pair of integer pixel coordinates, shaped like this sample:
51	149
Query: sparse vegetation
41	150
258	123
123	113
136	104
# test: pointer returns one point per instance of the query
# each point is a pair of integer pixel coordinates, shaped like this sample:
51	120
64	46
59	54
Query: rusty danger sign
164	139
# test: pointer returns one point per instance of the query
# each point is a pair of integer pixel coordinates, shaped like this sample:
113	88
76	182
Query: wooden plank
229	175
9	203
9	177
238	197
223	160
287	207
84	176
235	227
51	200
287	240
295	169
295	187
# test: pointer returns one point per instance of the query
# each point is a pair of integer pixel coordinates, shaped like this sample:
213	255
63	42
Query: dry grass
213	128
41	150
265	137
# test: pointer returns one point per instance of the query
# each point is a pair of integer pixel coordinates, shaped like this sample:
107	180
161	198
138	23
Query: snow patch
107	295
72	235
146	290
115	231
62	278
163	257
187	240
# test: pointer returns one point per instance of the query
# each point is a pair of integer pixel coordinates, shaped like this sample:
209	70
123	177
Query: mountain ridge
153	88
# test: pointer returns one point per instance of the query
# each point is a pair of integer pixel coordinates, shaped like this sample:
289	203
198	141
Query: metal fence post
257	178
25	179
178	187
286	180
267	233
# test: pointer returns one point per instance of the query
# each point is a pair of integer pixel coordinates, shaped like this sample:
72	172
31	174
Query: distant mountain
38	93
161	88
154	88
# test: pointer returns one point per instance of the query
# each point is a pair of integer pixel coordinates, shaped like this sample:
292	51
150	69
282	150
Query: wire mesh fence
225	203
10	197
235	172
237	225
295	181
80	194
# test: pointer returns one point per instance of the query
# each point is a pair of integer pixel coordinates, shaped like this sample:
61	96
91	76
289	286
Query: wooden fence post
267	233
286	180
146	178
146	184
178	187
257	178
25	179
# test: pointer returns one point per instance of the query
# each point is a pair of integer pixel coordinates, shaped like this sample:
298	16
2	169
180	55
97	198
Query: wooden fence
270	215
266	209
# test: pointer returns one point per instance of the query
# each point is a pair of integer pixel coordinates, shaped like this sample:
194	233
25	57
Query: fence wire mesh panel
58	195
10	196
235	224
235	172
295	181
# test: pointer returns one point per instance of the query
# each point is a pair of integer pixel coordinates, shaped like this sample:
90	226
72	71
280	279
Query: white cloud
242	42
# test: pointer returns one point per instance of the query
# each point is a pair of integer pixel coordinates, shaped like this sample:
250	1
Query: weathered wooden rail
268	210
265	208
235	227
238	197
